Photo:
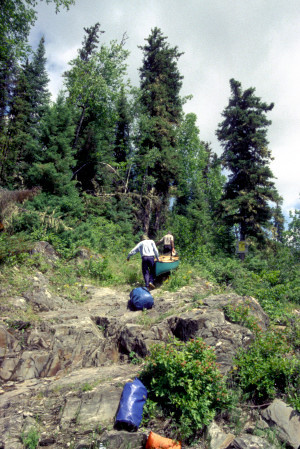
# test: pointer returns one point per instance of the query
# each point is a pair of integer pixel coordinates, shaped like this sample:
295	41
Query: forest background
105	162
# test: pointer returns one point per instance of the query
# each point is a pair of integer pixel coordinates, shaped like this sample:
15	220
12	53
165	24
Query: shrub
268	367
183	379
13	248
241	314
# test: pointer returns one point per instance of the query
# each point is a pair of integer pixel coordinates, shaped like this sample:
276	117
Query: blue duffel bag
141	298
130	411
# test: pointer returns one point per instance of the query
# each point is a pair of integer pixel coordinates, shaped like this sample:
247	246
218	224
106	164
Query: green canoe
166	264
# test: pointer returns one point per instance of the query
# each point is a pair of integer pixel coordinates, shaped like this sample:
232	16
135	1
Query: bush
13	248
268	368
183	379
241	314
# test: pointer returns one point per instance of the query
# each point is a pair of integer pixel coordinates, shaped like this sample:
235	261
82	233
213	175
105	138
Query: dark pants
167	249
148	269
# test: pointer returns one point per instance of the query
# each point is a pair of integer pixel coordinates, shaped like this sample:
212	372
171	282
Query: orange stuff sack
157	442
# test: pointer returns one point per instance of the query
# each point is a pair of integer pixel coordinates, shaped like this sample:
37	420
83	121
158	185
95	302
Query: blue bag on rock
130	411
141	298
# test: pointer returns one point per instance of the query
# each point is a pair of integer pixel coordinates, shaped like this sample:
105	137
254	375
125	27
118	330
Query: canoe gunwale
164	267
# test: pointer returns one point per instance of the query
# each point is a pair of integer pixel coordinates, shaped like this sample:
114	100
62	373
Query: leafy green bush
184	380
268	367
241	314
96	269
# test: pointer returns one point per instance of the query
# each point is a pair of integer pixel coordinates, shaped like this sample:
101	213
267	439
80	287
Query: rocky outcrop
285	420
62	373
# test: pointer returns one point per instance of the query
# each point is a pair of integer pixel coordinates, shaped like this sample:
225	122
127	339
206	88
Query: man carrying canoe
168	241
148	252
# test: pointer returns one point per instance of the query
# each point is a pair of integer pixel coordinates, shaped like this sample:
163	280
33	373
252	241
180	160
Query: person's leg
145	270
151	270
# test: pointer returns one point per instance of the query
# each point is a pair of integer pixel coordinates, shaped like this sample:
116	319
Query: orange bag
157	442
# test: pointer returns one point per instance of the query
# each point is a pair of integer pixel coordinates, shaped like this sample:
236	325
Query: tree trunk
79	127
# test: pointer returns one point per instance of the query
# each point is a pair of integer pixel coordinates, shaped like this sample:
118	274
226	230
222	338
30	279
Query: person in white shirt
148	252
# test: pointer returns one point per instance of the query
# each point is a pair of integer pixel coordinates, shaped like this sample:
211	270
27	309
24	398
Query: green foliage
94	84
13	248
268	368
293	233
96	269
134	359
200	182
241	314
86	387
54	160
31	438
250	189
157	161
177	279
184	380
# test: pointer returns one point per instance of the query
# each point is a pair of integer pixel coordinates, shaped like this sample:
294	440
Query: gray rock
123	440
217	438
286	420
212	327
65	371
46	250
251	442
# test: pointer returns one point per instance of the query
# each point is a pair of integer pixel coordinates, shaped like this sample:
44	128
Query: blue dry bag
141	298
130	411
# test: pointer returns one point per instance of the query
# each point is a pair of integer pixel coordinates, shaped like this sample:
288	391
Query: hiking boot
151	285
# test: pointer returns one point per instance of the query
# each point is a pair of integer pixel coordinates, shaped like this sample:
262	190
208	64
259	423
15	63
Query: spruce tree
29	102
17	135
52	169
250	188
161	115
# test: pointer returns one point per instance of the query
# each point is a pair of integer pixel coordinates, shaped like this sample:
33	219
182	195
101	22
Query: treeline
129	154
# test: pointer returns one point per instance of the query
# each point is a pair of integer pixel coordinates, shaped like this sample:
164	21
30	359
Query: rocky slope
62	374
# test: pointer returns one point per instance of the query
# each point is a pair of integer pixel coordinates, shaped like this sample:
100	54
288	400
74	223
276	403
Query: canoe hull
165	267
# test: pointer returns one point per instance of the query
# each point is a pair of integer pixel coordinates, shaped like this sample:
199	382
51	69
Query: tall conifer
250	187
162	113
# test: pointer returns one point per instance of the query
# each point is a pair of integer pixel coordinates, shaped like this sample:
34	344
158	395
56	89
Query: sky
256	42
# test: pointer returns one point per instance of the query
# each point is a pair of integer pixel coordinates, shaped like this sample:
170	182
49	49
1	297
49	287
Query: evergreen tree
16	19
39	95
39	100
250	188
17	135
29	102
52	169
162	112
